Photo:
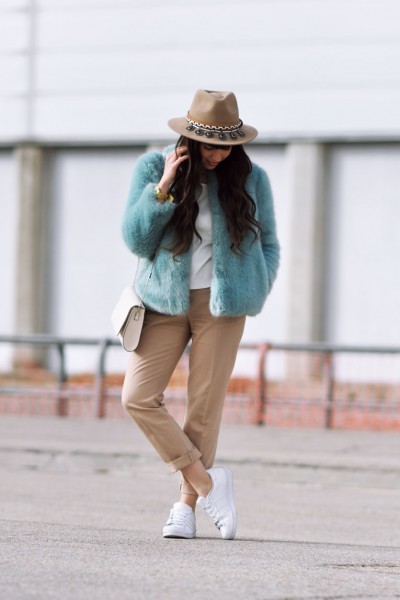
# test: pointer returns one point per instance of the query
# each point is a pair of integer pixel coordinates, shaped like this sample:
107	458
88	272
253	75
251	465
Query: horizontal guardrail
326	352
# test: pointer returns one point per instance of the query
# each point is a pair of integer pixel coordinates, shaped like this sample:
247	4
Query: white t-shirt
201	272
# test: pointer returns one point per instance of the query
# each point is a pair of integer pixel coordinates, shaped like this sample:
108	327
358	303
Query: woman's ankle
206	487
189	499
198	477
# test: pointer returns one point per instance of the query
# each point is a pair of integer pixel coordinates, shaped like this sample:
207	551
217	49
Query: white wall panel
364	289
279	114
13	75
13	5
13	118
14	27
91	264
71	4
285	21
141	117
270	68
8	242
301	68
314	113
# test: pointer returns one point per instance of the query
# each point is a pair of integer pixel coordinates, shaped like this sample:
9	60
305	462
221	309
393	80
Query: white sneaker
181	522
219	504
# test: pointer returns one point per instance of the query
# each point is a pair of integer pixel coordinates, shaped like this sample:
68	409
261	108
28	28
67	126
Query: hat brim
180	124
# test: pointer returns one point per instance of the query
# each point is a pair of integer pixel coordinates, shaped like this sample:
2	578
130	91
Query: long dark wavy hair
238	206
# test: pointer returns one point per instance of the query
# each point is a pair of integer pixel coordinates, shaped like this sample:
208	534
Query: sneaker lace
177	517
212	511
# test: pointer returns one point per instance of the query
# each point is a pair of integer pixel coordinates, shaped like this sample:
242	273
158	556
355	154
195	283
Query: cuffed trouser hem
184	461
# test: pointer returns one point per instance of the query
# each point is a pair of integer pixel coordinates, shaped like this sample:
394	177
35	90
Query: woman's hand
172	162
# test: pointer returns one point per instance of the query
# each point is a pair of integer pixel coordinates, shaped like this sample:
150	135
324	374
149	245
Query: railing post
99	394
62	403
329	384
261	386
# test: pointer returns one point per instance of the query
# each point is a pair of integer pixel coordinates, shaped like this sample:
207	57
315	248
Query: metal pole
62	405
329	388
261	386
99	394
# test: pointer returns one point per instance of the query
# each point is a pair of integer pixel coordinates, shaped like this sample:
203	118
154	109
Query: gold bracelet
161	196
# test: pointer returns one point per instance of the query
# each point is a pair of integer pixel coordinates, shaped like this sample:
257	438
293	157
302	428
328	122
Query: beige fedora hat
214	116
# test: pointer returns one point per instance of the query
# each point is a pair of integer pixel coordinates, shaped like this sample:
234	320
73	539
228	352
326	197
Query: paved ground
83	504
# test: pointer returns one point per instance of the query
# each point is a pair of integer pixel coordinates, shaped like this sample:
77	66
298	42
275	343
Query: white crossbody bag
128	315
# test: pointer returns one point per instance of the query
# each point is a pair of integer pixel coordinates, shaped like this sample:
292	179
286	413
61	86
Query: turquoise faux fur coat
240	282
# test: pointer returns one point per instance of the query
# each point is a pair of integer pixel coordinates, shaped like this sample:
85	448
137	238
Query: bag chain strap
147	282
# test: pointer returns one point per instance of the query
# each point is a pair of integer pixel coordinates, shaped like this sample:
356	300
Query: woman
200	218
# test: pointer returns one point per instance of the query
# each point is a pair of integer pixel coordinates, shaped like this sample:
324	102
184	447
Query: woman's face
212	155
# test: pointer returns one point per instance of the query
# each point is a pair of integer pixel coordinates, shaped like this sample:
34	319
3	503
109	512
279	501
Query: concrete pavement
83	504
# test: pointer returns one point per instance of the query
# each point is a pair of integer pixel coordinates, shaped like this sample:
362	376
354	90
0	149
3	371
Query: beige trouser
215	342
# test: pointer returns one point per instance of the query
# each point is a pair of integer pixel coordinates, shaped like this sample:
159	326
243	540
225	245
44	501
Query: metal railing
60	344
265	391
325	355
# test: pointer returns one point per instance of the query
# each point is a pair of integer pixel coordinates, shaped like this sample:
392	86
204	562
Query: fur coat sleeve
241	281
145	218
